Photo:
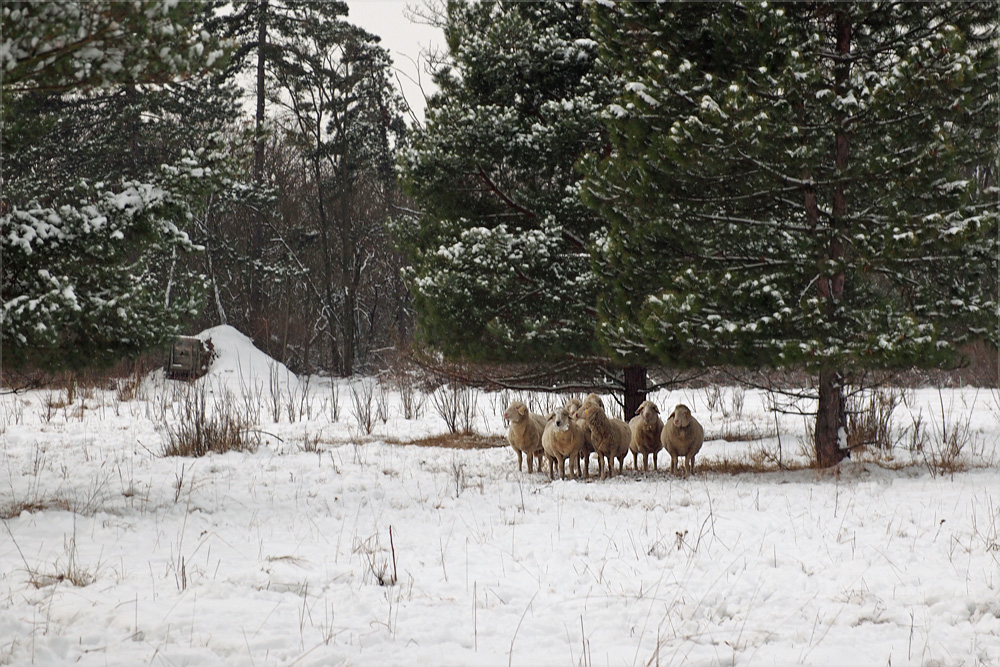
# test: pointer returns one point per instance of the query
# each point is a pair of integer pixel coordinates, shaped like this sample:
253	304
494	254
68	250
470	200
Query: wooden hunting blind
189	358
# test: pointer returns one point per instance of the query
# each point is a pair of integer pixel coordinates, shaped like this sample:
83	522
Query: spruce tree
500	249
794	185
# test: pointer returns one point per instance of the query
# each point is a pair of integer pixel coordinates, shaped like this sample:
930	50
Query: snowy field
331	545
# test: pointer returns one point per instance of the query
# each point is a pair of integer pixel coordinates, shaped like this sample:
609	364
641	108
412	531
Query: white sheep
562	439
593	399
646	427
525	434
573	406
610	436
682	435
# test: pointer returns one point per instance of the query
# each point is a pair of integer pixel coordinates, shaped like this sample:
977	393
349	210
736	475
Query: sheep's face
648	411
573	405
561	420
681	416
516	412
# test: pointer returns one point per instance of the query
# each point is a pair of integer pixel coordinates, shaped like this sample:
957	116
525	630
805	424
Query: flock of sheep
578	429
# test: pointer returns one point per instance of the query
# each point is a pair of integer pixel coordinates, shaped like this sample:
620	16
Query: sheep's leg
562	467
520	455
645	462
673	464
655	454
690	464
552	468
635	460
531	463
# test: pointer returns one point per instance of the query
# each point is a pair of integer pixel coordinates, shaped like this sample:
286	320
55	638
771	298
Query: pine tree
792	185
108	156
500	251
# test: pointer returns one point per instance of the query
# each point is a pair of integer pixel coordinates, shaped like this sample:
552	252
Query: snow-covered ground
328	545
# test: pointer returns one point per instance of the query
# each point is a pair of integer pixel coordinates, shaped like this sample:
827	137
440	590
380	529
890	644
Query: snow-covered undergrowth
328	545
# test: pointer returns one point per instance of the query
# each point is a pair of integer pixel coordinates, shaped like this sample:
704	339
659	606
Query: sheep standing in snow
609	435
562	439
525	434
646	427
682	435
573	406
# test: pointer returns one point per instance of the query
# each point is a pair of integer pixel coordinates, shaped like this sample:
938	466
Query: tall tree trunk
831	420
336	360
635	389
347	282
257	224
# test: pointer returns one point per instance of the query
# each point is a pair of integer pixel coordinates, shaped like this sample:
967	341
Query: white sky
404	41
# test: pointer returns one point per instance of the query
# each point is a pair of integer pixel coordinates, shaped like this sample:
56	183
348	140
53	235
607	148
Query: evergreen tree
108	156
792	185
500	250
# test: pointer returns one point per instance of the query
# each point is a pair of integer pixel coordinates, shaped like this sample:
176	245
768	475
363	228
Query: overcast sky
404	40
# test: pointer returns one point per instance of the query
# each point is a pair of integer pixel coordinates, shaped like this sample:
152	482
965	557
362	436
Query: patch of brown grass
740	432
745	466
456	441
14	509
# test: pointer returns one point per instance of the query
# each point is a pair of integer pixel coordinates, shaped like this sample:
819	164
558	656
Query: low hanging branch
507	200
571	375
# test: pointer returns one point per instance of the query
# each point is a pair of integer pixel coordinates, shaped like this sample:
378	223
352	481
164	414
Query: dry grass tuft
456	441
201	430
743	466
16	508
742	432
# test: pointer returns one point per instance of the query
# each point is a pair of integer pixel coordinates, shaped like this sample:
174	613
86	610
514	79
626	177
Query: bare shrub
413	400
334	401
200	430
713	397
950	436
129	388
305	399
274	384
869	418
544	404
382	403
252	400
376	560
457	407
362	396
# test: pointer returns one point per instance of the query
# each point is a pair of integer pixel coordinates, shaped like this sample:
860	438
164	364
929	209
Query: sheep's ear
522	409
550	417
672	415
639	409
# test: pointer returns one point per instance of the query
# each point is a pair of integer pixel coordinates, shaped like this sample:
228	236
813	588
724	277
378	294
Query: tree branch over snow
500	193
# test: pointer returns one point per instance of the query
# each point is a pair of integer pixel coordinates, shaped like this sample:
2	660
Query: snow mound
240	365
